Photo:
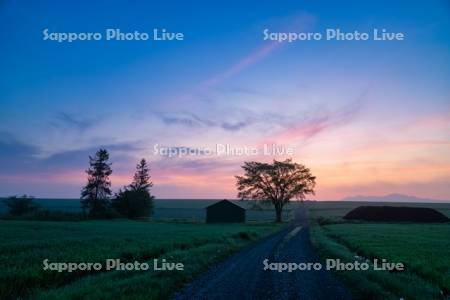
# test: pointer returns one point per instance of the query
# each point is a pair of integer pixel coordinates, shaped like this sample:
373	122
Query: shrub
133	204
19	206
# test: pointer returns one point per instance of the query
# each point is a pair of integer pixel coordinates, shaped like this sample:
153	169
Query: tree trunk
278	210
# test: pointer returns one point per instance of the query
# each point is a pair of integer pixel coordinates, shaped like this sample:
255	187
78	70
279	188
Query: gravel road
242	276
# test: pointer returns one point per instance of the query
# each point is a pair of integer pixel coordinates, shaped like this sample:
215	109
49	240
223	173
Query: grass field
423	248
25	244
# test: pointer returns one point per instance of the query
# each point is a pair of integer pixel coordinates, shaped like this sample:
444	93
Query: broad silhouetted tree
95	195
135	200
133	204
276	183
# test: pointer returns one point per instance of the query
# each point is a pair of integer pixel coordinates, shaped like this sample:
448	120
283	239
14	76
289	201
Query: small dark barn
225	212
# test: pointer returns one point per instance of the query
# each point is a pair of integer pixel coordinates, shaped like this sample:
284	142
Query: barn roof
225	201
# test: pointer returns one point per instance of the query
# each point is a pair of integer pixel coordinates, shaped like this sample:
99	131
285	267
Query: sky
367	117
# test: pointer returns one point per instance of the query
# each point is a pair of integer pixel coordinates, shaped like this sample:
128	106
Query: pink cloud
308	128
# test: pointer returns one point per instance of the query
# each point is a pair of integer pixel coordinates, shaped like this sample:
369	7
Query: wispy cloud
193	120
297	22
197	165
14	154
239	66
291	125
316	122
64	120
17	157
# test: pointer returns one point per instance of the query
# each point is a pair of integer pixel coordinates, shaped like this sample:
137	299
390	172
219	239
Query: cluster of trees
275	183
132	201
97	200
25	208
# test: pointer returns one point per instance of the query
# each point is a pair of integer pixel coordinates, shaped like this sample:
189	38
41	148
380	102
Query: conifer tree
95	195
141	179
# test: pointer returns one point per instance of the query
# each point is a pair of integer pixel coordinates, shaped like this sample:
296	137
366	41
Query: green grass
25	244
423	248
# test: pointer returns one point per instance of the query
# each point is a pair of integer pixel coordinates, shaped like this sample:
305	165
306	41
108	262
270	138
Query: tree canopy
276	182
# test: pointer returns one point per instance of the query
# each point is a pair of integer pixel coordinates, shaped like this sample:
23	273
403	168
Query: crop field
24	245
424	249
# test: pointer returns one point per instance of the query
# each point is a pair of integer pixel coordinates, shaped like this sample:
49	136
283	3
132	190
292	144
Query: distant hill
391	198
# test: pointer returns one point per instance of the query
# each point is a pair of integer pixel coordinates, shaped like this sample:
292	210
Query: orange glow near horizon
374	165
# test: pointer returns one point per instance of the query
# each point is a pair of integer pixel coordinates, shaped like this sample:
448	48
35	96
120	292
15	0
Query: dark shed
225	212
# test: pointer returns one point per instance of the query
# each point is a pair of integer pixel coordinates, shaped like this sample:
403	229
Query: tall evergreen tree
135	200
141	179
95	195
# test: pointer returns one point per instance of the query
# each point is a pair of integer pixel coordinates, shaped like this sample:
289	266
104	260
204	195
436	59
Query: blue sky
376	108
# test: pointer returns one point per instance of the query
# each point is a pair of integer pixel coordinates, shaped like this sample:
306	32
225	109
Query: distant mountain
391	198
